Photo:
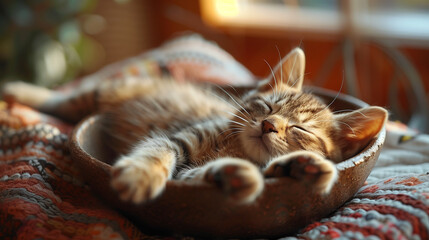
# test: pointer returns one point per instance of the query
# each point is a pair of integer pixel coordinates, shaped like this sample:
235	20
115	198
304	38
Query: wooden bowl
286	205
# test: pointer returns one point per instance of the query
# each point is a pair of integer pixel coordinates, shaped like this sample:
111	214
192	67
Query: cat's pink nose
268	127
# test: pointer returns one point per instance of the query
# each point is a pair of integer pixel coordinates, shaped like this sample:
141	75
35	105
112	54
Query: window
392	19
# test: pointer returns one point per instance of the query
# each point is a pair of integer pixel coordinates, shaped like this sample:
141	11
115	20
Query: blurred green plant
41	41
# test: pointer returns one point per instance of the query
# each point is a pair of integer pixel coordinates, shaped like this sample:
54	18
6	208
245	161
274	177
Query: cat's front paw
305	166
239	179
138	180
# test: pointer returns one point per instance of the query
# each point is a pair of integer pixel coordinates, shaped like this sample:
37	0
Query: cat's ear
288	73
358	128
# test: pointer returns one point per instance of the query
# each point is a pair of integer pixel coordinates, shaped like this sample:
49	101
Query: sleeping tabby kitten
162	129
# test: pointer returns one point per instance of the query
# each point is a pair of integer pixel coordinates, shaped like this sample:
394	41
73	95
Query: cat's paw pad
137	181
307	167
239	179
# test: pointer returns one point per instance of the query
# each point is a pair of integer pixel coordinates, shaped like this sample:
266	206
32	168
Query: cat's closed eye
268	107
301	131
261	105
299	128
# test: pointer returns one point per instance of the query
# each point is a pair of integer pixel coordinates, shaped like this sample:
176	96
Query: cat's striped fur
163	129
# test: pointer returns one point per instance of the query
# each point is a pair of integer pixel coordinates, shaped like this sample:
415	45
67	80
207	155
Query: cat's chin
261	140
256	149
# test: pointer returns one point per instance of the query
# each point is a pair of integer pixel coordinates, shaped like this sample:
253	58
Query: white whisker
233	99
230	129
231	86
269	84
354	133
235	115
280	60
300	44
237	123
296	80
350	110
221	98
343	111
338	122
335	98
338	93
232	134
275	79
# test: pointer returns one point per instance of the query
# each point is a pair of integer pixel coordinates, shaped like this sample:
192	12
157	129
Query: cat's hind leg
239	179
28	94
305	166
76	103
70	106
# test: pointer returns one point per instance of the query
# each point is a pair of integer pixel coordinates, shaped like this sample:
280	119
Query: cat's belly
230	149
135	119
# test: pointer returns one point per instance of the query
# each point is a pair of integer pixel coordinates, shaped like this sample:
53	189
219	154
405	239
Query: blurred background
377	49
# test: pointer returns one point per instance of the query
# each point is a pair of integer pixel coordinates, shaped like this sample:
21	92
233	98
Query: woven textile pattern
395	208
41	192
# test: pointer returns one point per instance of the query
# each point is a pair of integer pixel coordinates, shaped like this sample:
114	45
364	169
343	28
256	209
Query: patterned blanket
43	196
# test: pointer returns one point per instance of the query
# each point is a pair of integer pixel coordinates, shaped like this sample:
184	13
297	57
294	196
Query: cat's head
278	118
